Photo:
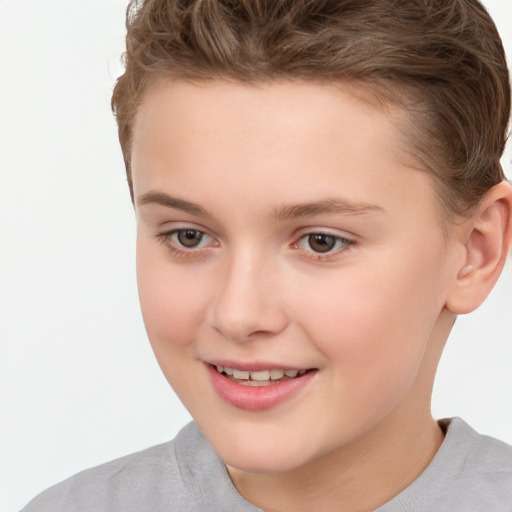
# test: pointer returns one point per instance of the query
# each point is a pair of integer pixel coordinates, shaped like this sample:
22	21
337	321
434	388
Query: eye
189	238
186	240
323	243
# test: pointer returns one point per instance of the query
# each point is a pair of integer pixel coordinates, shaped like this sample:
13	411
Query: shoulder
470	472
150	480
484	467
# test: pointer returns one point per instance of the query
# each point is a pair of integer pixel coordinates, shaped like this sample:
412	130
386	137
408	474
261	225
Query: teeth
238	374
263	375
258	383
259	376
276	374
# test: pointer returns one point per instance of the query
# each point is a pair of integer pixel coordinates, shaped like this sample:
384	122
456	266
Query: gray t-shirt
470	473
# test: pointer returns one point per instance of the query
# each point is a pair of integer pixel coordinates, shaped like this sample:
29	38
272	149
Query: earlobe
487	244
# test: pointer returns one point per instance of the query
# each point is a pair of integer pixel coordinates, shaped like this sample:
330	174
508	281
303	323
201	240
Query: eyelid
165	236
318	230
348	242
174	234
176	249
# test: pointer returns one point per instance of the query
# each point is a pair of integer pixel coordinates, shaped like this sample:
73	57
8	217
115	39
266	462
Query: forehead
275	105
290	139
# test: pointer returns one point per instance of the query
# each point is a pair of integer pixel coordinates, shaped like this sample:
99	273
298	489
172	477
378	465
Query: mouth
260	378
258	389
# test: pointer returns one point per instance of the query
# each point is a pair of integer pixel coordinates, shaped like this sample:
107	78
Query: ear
487	243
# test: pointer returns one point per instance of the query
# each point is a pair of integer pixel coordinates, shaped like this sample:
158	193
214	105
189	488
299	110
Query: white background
79	383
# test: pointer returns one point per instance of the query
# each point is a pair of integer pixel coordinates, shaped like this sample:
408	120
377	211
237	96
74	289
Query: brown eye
321	242
189	238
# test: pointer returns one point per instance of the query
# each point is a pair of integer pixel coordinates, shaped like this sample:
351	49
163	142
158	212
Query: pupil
321	242
189	237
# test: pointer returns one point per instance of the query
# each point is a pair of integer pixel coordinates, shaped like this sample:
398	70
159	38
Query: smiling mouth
259	378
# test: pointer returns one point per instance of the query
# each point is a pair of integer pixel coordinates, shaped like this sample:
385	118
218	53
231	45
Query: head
359	144
442	62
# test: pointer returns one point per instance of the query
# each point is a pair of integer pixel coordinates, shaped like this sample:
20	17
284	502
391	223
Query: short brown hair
442	61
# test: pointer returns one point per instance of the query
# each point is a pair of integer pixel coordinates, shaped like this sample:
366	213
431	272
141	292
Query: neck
360	477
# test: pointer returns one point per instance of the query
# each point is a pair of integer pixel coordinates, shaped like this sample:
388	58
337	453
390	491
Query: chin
260	454
259	462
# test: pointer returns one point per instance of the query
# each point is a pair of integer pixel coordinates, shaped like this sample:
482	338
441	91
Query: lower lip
257	398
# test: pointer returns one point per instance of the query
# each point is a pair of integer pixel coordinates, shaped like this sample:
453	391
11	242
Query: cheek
172	300
373	322
368	343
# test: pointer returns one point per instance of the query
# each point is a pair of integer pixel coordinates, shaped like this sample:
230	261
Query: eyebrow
284	212
322	207
164	199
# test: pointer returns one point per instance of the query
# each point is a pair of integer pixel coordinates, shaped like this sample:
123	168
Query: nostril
259	334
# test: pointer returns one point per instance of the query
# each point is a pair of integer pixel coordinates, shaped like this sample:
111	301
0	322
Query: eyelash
345	244
180	251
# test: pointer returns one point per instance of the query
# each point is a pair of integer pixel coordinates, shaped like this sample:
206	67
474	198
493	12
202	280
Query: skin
370	315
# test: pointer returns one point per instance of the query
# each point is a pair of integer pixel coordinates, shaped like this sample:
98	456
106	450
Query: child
318	195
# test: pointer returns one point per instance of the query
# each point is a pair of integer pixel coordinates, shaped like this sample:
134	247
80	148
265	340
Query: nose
247	304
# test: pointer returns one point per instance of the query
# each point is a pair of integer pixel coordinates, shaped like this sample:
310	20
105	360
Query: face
291	266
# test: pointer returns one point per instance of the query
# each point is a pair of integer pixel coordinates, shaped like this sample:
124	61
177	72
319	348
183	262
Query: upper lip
254	366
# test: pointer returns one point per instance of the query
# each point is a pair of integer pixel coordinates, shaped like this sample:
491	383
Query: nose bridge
247	303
